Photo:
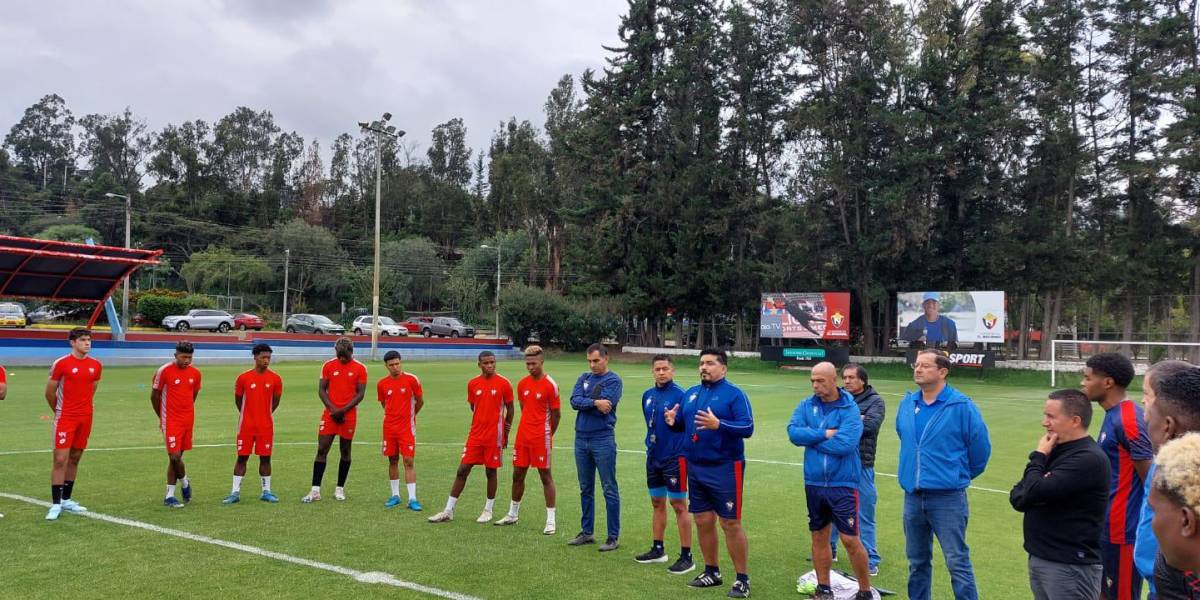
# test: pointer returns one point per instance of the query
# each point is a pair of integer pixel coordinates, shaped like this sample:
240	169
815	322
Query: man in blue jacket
595	399
943	446
829	427
716	418
666	469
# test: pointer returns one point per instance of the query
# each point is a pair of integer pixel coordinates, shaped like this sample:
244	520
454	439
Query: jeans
592	455
867	497
944	514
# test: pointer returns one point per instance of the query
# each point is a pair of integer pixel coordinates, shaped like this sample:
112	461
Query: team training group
1100	515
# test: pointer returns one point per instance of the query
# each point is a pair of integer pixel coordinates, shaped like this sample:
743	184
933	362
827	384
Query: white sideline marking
360	576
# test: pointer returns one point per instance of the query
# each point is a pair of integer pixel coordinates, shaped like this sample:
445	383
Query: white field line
360	576
448	444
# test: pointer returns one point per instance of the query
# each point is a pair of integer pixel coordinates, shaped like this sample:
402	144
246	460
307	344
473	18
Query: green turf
77	557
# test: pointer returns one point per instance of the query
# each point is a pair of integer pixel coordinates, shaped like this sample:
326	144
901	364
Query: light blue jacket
952	450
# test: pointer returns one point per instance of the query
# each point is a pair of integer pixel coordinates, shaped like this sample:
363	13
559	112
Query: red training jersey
486	394
178	387
343	380
398	395
537	397
257	391
3	375
76	379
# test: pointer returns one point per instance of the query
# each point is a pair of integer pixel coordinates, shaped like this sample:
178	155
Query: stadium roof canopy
66	271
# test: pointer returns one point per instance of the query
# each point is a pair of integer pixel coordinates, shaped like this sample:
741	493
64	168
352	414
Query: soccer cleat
311	497
392	502
484	517
861	595
706	580
739	589
609	545
414	506
233	498
442	517
682	565
187	493
72	506
823	594
55	510
550	528
172	502
339	494
582	538
873	571
267	496
506	520
655	555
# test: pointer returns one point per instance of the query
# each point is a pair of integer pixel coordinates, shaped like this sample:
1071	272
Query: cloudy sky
319	66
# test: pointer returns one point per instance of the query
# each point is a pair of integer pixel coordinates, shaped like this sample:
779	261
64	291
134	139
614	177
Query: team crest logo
585	386
176	382
989	320
1103	436
729	505
91	370
693	398
336	373
253	385
850	521
674	481
389	392
538	396
478	392
402	390
837	319
526	392
648	401
74	370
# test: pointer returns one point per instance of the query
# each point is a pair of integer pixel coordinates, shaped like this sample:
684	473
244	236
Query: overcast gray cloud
319	66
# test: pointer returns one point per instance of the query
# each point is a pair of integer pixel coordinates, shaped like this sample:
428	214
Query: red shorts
72	432
488	456
345	429
257	440
395	443
532	455
177	435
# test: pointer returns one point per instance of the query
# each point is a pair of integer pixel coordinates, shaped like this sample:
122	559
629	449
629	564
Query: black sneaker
683	565
581	539
823	594
706	580
861	595
609	545
740	589
655	555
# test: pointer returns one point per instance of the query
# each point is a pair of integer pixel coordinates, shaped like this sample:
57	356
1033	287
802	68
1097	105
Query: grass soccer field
334	549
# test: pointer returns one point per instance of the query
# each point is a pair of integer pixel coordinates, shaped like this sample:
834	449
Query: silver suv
362	326
447	327
200	318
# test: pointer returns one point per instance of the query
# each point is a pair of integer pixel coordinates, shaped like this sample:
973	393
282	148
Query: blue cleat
172	502
267	496
233	498
392	502
187	493
414	506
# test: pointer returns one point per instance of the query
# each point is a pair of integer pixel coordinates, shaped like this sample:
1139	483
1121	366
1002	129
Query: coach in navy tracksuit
716	416
829	427
595	399
943	446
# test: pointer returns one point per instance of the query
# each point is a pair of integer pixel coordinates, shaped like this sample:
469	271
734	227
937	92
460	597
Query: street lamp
125	284
497	286
381	130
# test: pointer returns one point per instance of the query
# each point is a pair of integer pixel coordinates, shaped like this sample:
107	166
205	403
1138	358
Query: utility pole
287	257
380	130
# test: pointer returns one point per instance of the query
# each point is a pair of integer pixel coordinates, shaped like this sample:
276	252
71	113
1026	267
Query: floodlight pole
287	258
125	281
378	128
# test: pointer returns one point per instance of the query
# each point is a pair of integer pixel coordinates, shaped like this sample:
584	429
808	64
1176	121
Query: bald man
828	426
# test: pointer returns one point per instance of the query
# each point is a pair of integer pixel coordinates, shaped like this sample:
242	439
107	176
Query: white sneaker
313	496
484	517
507	520
339	493
72	506
442	517
550	528
55	510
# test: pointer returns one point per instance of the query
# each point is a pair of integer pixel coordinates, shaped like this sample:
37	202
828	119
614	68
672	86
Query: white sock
237	484
184	482
513	508
450	502
316	489
412	490
170	491
490	504
549	515
266	481
395	486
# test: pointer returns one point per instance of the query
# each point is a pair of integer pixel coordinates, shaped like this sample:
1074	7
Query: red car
414	325
244	321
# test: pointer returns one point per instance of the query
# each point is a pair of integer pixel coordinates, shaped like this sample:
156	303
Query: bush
527	312
155	307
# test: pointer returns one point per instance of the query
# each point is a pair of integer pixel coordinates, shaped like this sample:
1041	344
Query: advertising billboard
945	319
805	315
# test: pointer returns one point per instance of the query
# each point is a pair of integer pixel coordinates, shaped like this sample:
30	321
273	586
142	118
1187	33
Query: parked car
244	321
48	313
12	315
447	327
200	318
319	324
417	324
362	326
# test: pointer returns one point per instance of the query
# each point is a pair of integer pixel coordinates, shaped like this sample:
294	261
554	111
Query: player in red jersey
538	395
402	398
343	385
3	393
173	393
256	394
70	392
491	399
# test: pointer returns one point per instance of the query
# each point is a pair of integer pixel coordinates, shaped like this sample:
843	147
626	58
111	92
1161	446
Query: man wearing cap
932	329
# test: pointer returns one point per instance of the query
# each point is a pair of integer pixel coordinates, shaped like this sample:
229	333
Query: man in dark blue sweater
666	468
595	399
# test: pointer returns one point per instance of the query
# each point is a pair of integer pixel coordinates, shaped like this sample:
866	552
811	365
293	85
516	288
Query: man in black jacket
1064	495
872	410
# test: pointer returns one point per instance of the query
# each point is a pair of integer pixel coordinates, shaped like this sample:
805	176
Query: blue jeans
592	455
944	514
867	497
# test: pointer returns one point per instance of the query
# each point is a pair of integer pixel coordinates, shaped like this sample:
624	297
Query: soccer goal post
1071	354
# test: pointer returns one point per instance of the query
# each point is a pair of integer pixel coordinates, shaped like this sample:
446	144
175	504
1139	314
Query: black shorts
837	505
667	478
